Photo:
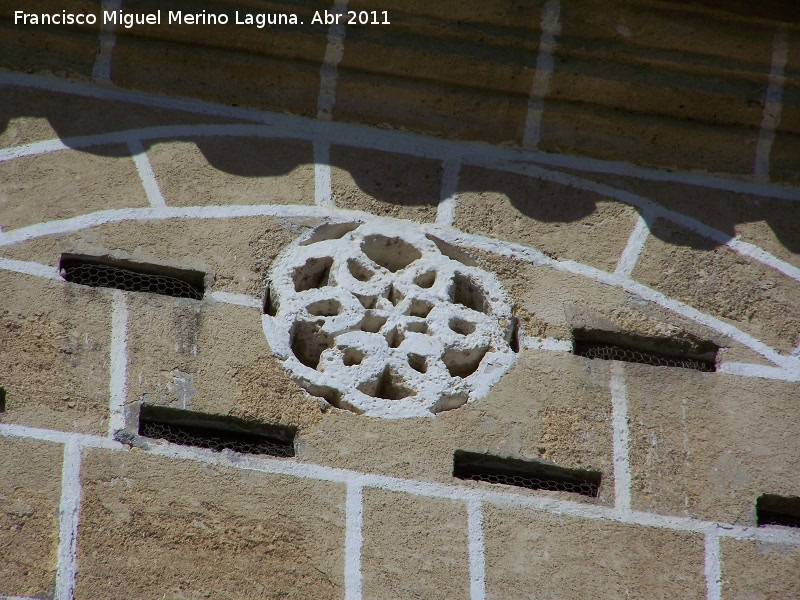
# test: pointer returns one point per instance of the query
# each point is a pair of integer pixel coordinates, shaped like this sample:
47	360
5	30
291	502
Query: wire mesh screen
530	475
767	517
215	439
534	483
613	352
778	510
99	275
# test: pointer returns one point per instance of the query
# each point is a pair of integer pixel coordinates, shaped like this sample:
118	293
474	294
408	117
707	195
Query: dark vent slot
217	433
647	351
778	510
526	474
514	341
2	400
99	271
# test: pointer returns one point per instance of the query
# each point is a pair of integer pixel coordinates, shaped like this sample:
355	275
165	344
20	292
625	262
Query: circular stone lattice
387	321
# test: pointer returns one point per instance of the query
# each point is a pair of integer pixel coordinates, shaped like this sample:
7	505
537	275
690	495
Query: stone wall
588	239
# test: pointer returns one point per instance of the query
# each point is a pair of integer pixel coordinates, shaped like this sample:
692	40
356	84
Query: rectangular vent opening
215	432
778	510
2	400
514	342
656	352
527	474
103	271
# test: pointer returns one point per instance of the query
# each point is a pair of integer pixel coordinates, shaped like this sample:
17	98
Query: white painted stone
387	321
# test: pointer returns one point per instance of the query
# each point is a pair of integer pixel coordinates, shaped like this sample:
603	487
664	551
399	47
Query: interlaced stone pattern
388	321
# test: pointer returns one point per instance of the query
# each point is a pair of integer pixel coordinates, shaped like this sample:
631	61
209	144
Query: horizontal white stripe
236	299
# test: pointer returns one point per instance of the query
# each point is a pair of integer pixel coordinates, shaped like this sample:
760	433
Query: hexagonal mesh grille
526	474
778	510
214	437
615	352
95	274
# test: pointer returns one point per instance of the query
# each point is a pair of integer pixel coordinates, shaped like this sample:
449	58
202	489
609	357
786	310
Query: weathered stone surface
64	50
548	406
388	184
687	450
661	83
460	70
235	253
414	547
28	115
759	571
757	299
657	87
234	170
562	222
769	223
211	358
786	147
275	67
534	554
30	488
152	526
66	184
54	354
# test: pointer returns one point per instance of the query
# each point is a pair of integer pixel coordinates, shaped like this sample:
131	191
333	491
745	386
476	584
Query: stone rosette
385	320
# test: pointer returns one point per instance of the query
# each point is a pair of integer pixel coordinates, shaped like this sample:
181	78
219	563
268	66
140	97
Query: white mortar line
329	72
629	257
773	105
102	65
118	364
44	147
60	437
146	173
446	211
323	190
713	565
544	69
530	342
486	494
770	535
353	540
619	421
68	521
29	268
764	257
759	371
104	217
236	299
477	555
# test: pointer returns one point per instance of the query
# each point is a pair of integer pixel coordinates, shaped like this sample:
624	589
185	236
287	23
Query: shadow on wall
400	180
